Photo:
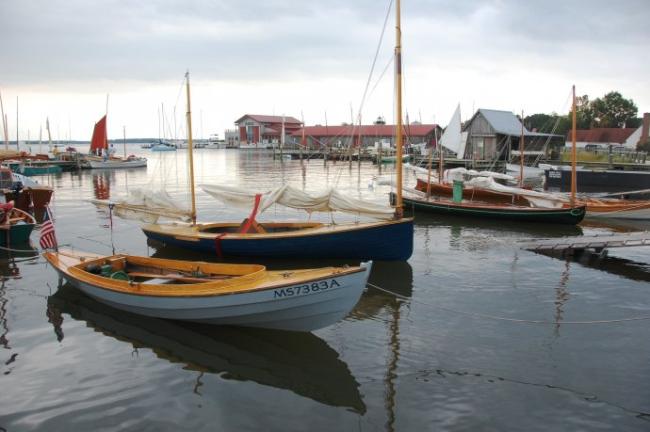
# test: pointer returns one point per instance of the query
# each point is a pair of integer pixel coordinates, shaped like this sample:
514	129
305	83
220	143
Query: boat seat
169	277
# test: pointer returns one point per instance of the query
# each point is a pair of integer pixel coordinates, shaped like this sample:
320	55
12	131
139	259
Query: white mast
4	124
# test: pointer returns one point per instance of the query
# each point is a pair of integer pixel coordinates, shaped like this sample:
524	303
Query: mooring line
34	251
498	318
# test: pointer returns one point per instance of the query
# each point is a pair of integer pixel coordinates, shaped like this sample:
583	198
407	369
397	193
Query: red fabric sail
99	141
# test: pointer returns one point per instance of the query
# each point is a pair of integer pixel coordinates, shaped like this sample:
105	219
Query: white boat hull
301	307
119	163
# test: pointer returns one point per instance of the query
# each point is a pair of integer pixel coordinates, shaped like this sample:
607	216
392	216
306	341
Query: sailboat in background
101	156
423	201
389	239
488	190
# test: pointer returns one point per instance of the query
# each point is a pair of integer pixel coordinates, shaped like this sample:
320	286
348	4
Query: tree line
609	111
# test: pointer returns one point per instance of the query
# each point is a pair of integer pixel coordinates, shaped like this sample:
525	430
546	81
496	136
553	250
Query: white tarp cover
326	201
146	206
461	174
537	199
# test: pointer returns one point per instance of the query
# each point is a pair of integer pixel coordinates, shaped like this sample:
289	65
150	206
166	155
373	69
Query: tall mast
190	145
17	146
521	152
574	184
441	170
399	211
106	127
4	124
282	142
429	170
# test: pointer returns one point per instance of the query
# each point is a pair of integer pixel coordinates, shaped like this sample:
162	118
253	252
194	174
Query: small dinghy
228	294
15	225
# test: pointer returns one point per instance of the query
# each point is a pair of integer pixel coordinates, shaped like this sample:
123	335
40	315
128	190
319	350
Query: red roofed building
328	136
602	136
263	131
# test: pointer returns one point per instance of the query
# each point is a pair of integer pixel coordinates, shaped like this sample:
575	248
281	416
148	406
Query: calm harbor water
454	350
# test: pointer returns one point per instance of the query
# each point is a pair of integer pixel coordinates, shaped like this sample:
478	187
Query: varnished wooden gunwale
257	279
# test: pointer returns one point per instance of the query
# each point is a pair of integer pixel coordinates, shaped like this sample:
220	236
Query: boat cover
146	206
327	201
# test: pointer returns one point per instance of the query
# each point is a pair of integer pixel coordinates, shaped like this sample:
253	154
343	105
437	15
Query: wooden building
263	131
495	135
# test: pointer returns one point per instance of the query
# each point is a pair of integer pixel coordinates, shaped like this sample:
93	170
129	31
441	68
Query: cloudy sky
61	58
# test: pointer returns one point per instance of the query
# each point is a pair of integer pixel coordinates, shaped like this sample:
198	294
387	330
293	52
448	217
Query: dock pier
597	243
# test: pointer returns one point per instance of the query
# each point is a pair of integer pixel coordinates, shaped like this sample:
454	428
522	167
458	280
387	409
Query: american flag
48	236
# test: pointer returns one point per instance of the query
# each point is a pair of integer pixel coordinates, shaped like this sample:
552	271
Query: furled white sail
326	201
146	206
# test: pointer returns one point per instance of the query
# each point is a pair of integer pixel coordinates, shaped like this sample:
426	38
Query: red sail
99	141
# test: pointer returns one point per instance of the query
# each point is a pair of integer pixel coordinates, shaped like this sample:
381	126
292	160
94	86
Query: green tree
548	123
584	113
613	110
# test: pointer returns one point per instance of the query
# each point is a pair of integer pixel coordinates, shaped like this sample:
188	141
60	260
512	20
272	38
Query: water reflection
561	296
617	225
300	362
629	269
10	270
393	276
458	224
102	184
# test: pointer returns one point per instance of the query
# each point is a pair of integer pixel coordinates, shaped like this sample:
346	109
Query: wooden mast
190	145
399	211
441	164
521	152
429	170
573	151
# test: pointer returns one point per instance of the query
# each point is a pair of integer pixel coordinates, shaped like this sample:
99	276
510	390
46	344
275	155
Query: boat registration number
554	174
306	288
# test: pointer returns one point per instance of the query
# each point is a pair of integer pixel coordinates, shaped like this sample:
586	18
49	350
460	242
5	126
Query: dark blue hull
390	242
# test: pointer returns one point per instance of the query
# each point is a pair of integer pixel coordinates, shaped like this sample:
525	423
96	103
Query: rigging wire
370	75
499	318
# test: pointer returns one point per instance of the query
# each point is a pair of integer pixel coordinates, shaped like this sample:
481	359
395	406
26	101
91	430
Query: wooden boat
228	294
470	193
27	194
375	240
609	208
103	157
571	213
382	240
15	225
613	208
32	168
418	201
